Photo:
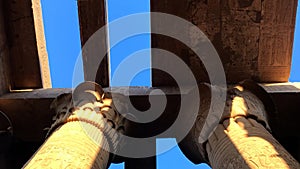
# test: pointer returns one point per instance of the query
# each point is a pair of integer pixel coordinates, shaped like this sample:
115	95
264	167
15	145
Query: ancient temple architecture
258	126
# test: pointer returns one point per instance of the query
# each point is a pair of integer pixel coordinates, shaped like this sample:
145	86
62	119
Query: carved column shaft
242	142
70	146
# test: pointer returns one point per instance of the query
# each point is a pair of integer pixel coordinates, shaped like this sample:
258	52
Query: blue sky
63	45
295	71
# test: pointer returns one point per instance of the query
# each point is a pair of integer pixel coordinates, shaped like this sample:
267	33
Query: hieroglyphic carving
253	38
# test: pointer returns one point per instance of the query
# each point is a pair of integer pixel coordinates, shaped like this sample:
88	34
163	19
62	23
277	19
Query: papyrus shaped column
242	138
86	134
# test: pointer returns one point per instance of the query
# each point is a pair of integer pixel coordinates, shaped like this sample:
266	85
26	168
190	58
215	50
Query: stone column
89	131
242	138
241	142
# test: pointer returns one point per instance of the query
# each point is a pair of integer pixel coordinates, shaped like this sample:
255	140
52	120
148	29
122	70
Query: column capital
245	99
